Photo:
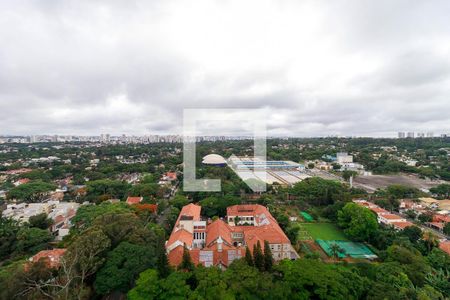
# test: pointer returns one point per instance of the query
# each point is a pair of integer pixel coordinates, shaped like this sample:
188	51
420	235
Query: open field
374	182
323	231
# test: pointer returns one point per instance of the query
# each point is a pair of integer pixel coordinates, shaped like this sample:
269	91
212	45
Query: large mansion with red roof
220	242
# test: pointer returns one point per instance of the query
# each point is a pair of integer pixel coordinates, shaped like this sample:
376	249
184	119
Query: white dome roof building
214	160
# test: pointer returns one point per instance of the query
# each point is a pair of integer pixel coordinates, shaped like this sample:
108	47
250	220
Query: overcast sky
318	68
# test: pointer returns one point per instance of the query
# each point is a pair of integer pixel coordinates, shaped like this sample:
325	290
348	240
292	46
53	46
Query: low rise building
60	212
222	241
344	158
445	246
52	258
134	200
385	217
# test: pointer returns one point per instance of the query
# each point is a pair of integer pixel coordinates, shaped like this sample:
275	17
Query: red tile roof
378	210
51	257
176	256
153	208
171	175
191	210
441	218
391	217
445	246
245	209
134	200
402	225
181	235
439	225
268	230
216	229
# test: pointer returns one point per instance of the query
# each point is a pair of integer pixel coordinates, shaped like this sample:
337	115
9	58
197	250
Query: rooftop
134	200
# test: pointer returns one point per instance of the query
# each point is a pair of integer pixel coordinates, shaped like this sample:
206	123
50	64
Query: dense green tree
145	190
425	217
292	232
124	227
438	259
20	283
31	192
428	293
122	267
37	175
247	282
162	264
186	261
391	282
179	201
32	240
147	286
447	228
312	279
358	222
268	259
331	211
412	262
442	190
430	240
86	214
248	257
413	233
397	191
175	286
346	174
217	206
318	191
211	284
107	187
440	280
40	221
87	253
8	236
18	240
258	256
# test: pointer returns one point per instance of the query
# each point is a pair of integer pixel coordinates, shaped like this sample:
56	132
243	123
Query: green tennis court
352	249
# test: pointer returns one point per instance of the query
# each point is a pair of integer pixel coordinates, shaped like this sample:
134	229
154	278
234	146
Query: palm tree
430	240
335	250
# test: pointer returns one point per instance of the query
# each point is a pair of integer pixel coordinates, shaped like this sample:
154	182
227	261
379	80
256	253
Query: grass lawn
323	231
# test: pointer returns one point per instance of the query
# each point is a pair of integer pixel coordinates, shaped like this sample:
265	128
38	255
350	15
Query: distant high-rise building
421	134
430	134
105	138
401	135
410	134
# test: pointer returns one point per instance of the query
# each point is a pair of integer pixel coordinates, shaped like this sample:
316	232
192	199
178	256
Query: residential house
52	258
134	200
384	216
21	181
445	246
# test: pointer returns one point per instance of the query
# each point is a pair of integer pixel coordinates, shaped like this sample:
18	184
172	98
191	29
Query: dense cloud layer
319	68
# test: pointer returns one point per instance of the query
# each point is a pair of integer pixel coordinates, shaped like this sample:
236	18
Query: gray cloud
318	68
